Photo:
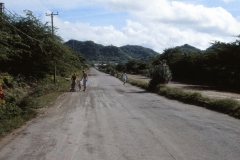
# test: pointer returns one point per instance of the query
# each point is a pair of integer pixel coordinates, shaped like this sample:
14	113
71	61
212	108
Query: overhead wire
41	42
38	5
20	30
17	28
9	11
50	9
46	5
43	4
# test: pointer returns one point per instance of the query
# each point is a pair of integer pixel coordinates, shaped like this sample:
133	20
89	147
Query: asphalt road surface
112	121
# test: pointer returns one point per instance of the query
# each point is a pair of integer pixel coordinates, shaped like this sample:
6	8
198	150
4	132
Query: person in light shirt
124	77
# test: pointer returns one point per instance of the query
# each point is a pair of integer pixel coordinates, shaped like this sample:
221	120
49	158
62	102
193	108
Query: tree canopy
29	48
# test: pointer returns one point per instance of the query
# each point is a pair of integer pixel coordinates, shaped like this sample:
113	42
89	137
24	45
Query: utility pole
73	46
52	14
1	8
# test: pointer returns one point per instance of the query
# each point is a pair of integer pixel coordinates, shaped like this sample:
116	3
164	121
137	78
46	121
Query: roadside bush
112	72
223	105
20	80
140	84
178	94
236	113
12	117
20	103
27	103
9	111
160	74
6	80
227	106
7	125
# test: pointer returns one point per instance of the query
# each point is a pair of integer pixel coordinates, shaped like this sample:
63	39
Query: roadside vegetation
29	53
226	106
217	67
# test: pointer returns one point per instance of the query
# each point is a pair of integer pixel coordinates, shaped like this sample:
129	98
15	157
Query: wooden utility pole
1	8
52	14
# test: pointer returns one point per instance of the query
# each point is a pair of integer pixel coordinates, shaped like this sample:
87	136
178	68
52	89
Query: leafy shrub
160	74
9	110
20	80
28	102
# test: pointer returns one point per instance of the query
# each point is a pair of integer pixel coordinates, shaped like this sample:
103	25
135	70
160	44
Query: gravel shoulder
204	90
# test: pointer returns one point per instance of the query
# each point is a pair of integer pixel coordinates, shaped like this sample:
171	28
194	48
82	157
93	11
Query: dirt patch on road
204	90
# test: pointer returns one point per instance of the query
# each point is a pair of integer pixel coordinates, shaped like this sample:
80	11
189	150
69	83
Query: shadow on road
138	92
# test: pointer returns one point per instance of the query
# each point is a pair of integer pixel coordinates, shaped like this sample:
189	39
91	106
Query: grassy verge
227	106
23	101
61	86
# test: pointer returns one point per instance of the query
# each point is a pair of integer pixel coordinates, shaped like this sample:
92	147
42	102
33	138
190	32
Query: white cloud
178	23
227	1
157	24
105	35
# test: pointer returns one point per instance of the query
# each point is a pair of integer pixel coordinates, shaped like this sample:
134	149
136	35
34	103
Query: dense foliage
218	65
29	52
160	74
28	48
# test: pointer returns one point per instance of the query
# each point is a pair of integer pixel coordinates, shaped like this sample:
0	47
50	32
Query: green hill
138	52
98	52
188	49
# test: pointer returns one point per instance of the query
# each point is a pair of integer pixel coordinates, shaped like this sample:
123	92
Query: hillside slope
98	52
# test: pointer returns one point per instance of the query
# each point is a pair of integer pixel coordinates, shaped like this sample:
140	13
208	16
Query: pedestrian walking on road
124	77
73	83
84	80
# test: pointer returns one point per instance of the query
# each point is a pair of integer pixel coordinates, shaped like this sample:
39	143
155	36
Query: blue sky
156	24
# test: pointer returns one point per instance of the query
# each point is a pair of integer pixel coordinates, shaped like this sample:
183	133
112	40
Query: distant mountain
187	48
98	52
138	52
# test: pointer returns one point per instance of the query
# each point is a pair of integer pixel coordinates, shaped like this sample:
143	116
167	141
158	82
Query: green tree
160	74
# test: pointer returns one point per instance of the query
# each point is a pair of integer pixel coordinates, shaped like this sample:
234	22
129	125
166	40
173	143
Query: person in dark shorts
73	84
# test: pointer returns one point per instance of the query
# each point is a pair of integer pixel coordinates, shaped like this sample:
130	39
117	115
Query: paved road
112	121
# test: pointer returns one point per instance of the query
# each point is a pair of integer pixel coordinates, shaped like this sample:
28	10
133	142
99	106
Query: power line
21	31
45	4
28	27
1	7
9	11
38	5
